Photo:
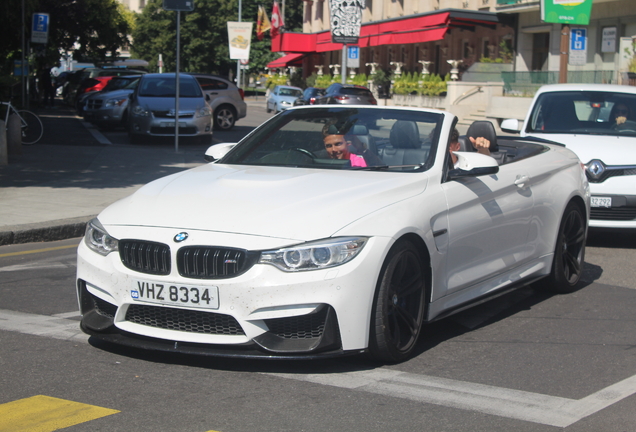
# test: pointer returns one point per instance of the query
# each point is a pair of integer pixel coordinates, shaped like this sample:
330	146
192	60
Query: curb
44	231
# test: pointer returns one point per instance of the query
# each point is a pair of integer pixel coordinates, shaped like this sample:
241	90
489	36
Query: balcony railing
527	83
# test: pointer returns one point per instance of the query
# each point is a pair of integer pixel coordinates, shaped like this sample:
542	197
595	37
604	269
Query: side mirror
207	97
510	126
470	164
216	152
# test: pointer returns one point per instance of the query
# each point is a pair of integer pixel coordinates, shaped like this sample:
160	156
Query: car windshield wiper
386	167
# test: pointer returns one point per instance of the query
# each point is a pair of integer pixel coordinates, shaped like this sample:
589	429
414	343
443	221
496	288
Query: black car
309	96
346	94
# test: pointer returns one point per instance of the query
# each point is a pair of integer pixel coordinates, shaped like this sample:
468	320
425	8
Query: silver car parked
226	100
152	108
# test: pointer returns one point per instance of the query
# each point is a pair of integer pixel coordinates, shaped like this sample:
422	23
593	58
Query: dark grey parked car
309	96
346	94
109	107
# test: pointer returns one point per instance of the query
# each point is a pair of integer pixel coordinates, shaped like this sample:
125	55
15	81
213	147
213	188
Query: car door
489	220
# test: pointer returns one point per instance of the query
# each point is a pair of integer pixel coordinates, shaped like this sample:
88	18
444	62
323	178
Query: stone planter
438	102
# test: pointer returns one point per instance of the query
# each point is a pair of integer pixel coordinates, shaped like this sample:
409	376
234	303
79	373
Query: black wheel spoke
407	319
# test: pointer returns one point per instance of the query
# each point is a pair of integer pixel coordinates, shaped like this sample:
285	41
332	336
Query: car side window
209	84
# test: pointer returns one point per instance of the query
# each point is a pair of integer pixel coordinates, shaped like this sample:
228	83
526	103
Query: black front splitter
242	351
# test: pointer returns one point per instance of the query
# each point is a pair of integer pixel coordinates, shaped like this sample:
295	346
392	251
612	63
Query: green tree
93	29
203	35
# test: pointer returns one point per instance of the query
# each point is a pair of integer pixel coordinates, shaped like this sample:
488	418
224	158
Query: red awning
425	27
287	60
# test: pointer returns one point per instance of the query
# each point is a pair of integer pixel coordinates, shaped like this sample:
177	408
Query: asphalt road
526	361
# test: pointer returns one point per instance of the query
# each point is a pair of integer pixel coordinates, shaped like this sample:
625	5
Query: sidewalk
54	187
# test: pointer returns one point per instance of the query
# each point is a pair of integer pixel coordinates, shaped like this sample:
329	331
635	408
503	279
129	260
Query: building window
485	52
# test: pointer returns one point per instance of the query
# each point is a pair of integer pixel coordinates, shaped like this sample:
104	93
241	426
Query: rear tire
567	266
224	117
399	305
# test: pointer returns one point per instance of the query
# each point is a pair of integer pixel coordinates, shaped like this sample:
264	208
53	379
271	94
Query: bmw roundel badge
180	237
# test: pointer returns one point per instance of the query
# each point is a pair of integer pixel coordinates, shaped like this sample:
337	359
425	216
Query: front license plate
175	294
601	202
171	124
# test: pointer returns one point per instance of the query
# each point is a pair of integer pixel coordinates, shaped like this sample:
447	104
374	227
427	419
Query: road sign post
178	6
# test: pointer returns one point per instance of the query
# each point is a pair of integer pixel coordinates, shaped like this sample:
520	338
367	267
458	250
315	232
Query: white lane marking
96	134
41	325
515	404
36	266
67	315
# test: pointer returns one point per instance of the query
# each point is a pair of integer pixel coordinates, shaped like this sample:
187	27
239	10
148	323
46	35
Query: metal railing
527	83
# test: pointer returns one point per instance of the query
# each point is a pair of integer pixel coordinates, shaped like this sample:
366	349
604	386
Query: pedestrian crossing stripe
46	414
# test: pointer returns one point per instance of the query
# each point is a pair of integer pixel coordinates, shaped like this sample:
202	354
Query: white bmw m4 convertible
332	230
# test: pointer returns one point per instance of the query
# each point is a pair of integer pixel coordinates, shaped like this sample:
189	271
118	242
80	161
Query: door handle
522	180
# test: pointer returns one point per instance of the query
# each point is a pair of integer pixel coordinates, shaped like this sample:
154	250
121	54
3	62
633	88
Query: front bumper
314	336
263	312
621	214
155	126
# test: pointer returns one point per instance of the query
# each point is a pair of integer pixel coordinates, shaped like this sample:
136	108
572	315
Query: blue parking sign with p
40	28
40	22
578	39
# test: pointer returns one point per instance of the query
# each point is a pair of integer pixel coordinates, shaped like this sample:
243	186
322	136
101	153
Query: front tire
399	305
569	252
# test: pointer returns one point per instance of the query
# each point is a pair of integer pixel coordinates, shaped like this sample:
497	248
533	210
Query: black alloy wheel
567	266
399	305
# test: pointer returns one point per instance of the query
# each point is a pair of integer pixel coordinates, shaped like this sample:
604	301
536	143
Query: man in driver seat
481	144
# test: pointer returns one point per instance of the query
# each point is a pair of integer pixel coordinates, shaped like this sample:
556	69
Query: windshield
165	87
355	91
119	83
290	92
584	112
343	138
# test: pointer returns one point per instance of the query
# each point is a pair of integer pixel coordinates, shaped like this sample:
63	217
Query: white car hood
290	203
612	150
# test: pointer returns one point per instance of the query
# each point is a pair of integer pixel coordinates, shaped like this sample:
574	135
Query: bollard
14	135
4	157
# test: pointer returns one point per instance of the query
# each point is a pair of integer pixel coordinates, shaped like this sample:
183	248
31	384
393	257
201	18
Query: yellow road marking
37	251
46	414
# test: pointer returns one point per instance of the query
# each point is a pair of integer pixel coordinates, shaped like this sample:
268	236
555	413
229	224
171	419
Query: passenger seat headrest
405	134
359	130
484	128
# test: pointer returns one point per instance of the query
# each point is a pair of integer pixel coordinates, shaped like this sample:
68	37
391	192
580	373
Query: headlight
98	240
205	111
140	111
115	102
320	254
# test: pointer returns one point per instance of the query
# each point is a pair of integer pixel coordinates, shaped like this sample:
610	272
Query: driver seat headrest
483	128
